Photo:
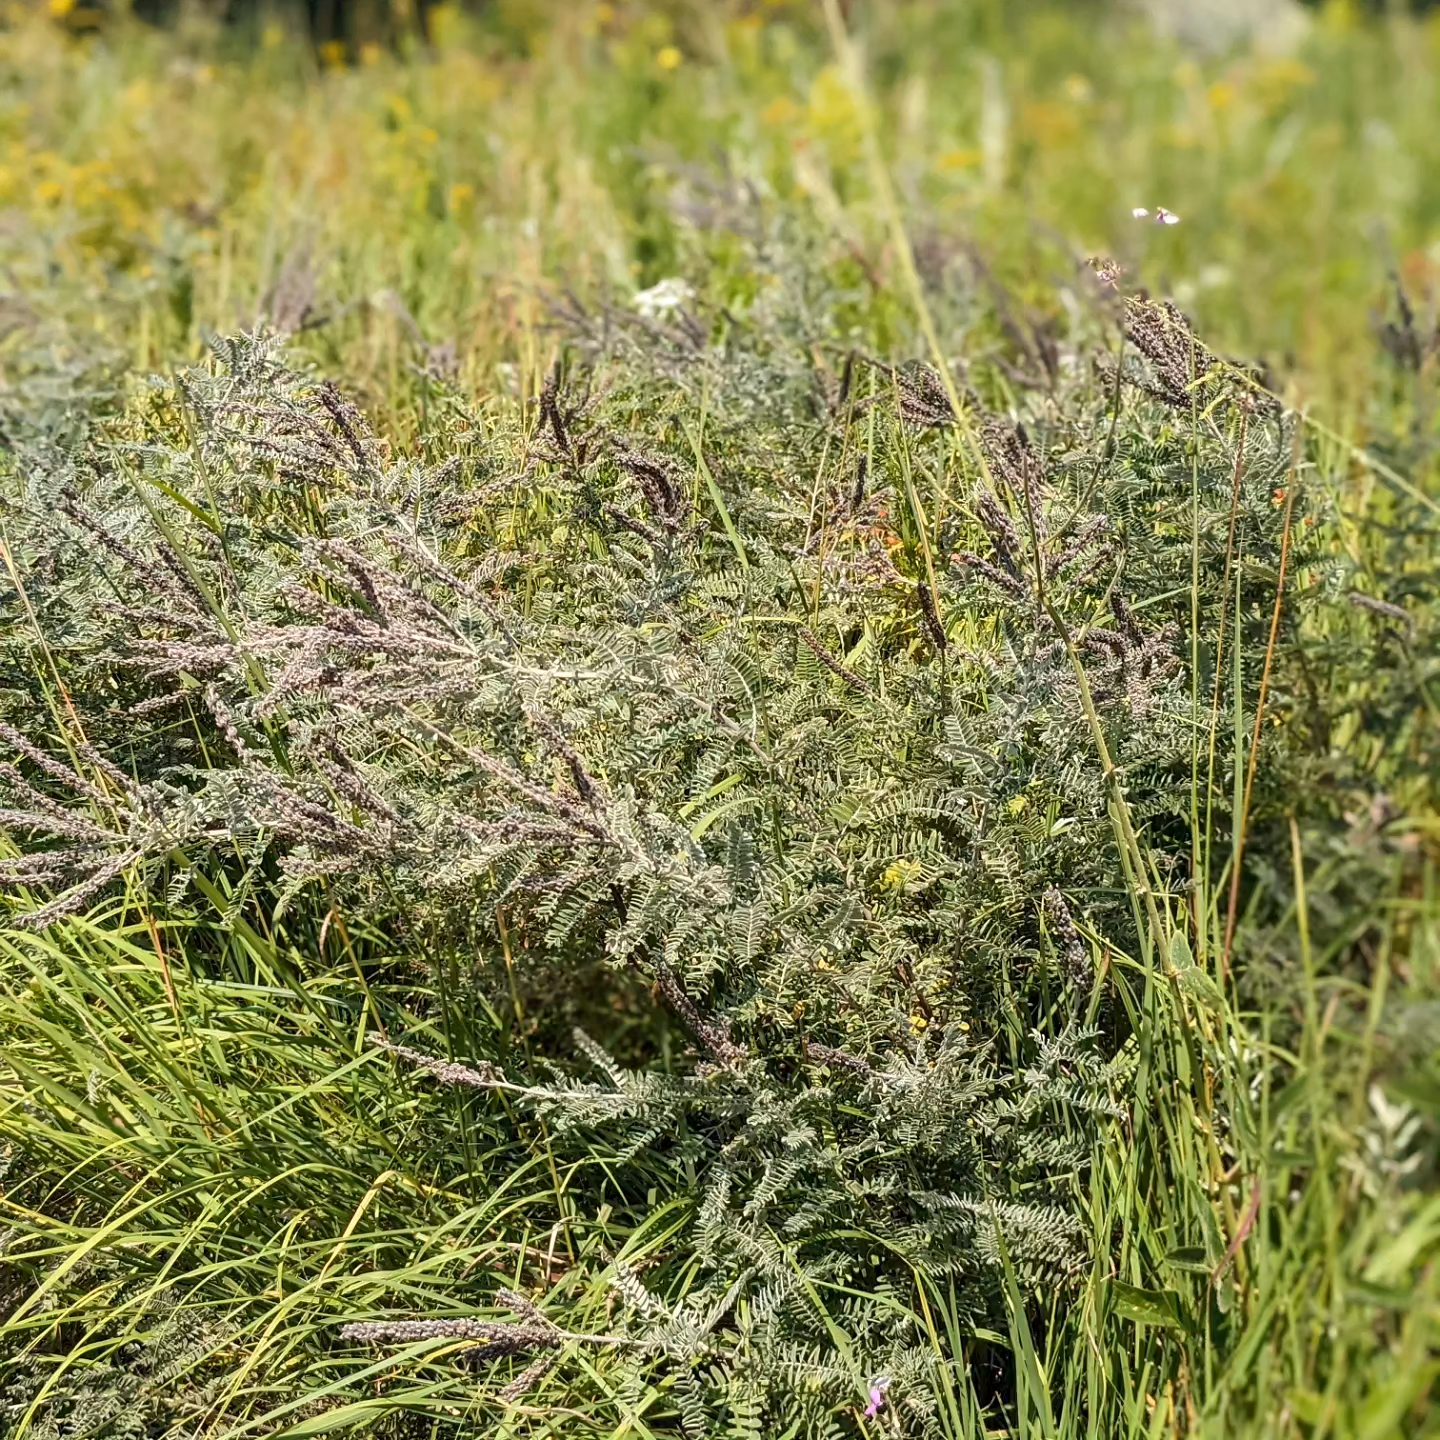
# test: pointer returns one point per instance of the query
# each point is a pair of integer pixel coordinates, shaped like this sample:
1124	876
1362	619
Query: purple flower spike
877	1397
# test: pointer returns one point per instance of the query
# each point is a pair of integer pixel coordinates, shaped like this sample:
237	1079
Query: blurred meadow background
176	177
1015	1006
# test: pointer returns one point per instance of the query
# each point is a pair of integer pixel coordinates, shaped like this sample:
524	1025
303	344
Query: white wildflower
666	295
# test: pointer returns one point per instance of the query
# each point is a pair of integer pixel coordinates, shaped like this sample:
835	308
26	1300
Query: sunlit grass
182	180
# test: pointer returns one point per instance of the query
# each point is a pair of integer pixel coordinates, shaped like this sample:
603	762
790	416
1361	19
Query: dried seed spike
527	1309
656	481
370	1332
1009	583
225	722
51	767
1361	601
560	744
931	615
529	1378
349	422
1077	961
857	495
924	401
1000	529
840	1059
831	663
483	1077
1125	617
550	412
713	1034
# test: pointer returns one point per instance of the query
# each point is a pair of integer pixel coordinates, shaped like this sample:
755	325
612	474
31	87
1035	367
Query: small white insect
1162	216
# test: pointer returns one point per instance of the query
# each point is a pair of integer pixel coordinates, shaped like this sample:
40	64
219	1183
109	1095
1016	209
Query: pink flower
877	1396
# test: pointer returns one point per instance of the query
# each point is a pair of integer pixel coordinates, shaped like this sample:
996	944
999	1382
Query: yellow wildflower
1187	75
899	875
1277	80
832	106
1050	123
669	58
779	112
966	159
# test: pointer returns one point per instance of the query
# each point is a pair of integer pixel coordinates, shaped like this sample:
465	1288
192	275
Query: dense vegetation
689	793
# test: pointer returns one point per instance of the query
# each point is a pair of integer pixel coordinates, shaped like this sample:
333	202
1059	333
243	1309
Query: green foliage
647	911
693	709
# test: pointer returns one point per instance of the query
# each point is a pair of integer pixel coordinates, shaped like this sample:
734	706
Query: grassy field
732	787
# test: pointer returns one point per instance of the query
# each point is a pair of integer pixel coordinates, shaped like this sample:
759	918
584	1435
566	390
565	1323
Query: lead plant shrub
746	674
